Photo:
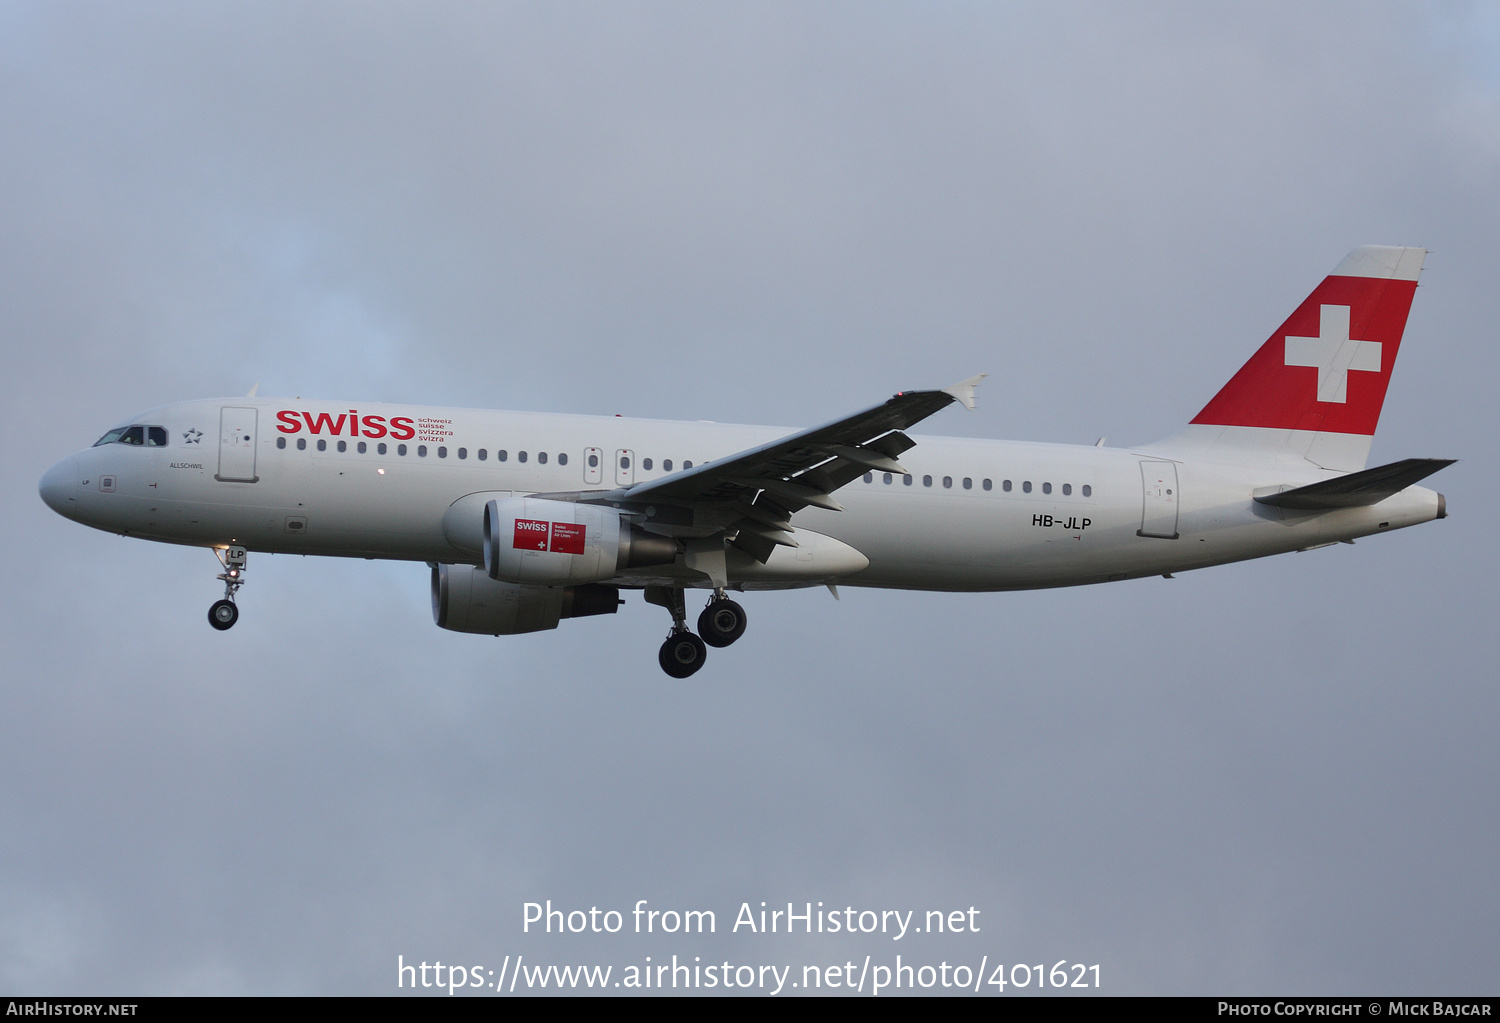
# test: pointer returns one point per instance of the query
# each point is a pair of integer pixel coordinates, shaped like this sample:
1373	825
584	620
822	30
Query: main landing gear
224	613
721	623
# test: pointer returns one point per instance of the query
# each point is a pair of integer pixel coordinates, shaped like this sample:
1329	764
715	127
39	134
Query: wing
752	495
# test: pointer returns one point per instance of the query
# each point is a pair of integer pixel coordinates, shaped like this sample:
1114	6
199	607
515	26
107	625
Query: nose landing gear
224	613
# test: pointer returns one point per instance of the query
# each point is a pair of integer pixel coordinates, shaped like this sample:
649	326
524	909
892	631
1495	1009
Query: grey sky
1270	777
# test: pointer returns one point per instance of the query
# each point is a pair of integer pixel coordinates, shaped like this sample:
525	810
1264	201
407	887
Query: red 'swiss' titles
350	424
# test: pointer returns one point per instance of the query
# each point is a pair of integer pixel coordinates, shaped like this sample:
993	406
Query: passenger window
989	485
906	479
442	451
281	442
156	437
562	458
520	456
322	445
481	454
343	446
926	481
1067	489
968	483
363	447
1088	491
1026	487
421	450
624	462
869	477
502	455
667	465
947	482
1046	488
400	449
646	464
380	448
687	465
301	443
463	452
594	462
1005	486
887	477
541	457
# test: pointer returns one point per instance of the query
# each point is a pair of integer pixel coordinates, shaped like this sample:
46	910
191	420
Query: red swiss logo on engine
531	535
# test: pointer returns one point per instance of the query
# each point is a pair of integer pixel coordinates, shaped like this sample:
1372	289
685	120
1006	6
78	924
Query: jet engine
464	599
554	543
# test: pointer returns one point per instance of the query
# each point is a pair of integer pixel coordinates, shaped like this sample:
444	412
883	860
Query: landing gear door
236	445
1159	500
624	468
593	465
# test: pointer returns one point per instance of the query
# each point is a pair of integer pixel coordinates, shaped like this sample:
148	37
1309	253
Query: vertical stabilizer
1314	390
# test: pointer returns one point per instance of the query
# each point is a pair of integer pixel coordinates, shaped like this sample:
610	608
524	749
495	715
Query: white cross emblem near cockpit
1333	354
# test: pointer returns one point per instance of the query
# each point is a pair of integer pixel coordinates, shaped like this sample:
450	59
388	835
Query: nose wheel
223	614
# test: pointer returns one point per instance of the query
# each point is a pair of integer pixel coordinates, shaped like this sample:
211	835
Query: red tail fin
1326	368
1314	390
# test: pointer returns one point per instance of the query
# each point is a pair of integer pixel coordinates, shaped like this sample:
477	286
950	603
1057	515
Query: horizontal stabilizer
1368	486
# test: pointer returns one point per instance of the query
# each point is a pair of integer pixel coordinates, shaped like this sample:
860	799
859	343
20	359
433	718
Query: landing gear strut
224	613
683	653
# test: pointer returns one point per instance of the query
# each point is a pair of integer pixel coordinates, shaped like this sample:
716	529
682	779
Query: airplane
528	518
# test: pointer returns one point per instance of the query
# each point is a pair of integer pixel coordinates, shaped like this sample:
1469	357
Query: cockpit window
141	436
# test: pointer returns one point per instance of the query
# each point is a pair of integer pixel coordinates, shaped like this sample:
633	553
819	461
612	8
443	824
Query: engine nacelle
464	599
553	543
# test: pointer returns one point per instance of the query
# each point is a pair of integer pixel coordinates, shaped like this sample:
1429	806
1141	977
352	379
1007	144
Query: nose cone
59	487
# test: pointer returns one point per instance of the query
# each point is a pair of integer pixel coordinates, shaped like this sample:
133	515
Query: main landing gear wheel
682	654
722	622
223	614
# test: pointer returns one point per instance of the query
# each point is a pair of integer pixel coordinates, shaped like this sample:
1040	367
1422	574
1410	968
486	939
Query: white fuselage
973	514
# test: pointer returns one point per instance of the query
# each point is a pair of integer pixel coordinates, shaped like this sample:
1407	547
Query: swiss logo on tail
1325	370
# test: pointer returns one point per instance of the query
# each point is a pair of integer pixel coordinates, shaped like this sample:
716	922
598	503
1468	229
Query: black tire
682	654
223	615
722	622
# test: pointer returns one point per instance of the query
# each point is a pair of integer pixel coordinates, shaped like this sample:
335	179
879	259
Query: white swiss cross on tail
1333	353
